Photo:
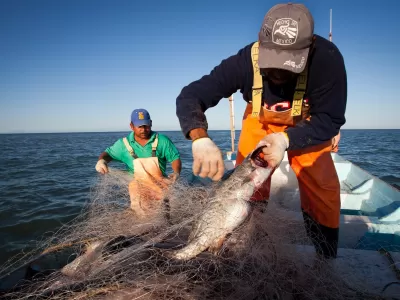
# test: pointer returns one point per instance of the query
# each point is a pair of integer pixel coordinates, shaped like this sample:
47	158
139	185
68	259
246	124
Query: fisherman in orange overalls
295	86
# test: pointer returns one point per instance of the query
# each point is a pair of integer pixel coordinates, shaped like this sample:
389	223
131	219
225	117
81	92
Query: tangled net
122	257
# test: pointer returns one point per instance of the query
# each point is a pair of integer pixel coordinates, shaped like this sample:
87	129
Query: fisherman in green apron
145	153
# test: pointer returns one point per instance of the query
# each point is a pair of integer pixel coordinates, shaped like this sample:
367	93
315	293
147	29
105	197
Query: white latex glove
101	166
276	143
207	159
173	176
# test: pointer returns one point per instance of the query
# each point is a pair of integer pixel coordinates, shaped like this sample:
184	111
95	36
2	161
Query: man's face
277	76
142	132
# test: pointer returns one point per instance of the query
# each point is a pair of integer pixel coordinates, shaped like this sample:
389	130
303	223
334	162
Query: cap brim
294	60
141	123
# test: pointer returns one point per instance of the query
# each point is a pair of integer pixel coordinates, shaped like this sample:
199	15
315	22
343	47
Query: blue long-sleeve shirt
326	93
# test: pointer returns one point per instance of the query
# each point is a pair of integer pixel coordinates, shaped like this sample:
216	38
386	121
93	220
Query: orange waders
314	168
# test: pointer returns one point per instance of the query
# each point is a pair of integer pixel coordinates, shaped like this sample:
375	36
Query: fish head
261	171
256	158
254	171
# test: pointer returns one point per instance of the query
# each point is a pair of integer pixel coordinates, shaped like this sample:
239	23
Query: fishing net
110	253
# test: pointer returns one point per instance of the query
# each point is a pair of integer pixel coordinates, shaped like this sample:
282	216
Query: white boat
369	221
365	199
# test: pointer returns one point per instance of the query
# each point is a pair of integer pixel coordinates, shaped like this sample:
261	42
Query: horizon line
170	130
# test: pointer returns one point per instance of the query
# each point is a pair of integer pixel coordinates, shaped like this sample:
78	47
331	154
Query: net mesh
111	253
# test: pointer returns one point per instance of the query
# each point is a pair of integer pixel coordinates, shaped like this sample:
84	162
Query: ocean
45	179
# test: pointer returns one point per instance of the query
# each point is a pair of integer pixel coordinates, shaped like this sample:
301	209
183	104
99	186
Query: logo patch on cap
285	31
292	63
141	115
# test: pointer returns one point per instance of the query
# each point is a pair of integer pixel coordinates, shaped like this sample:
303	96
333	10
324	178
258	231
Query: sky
84	65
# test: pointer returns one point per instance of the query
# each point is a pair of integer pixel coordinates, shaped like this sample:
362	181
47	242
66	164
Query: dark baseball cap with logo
285	37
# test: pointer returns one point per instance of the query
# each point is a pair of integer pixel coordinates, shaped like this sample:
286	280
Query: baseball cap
140	117
285	37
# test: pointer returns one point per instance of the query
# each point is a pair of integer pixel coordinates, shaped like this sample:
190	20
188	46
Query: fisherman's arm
172	155
108	155
328	107
105	156
335	143
223	81
177	168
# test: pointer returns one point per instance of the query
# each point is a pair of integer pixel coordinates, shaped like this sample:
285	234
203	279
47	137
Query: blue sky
83	65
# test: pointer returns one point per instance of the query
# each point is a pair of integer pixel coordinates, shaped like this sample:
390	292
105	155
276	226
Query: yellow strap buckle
299	93
297	104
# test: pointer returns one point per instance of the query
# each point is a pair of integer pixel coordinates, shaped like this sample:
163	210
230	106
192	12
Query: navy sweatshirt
326	93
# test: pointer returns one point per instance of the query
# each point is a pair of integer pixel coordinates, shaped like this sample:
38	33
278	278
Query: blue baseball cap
140	117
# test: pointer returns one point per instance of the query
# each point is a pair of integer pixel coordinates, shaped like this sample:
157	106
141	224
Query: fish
80	267
229	207
96	253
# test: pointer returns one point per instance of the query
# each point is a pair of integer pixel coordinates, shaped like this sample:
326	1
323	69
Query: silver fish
80	267
228	208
